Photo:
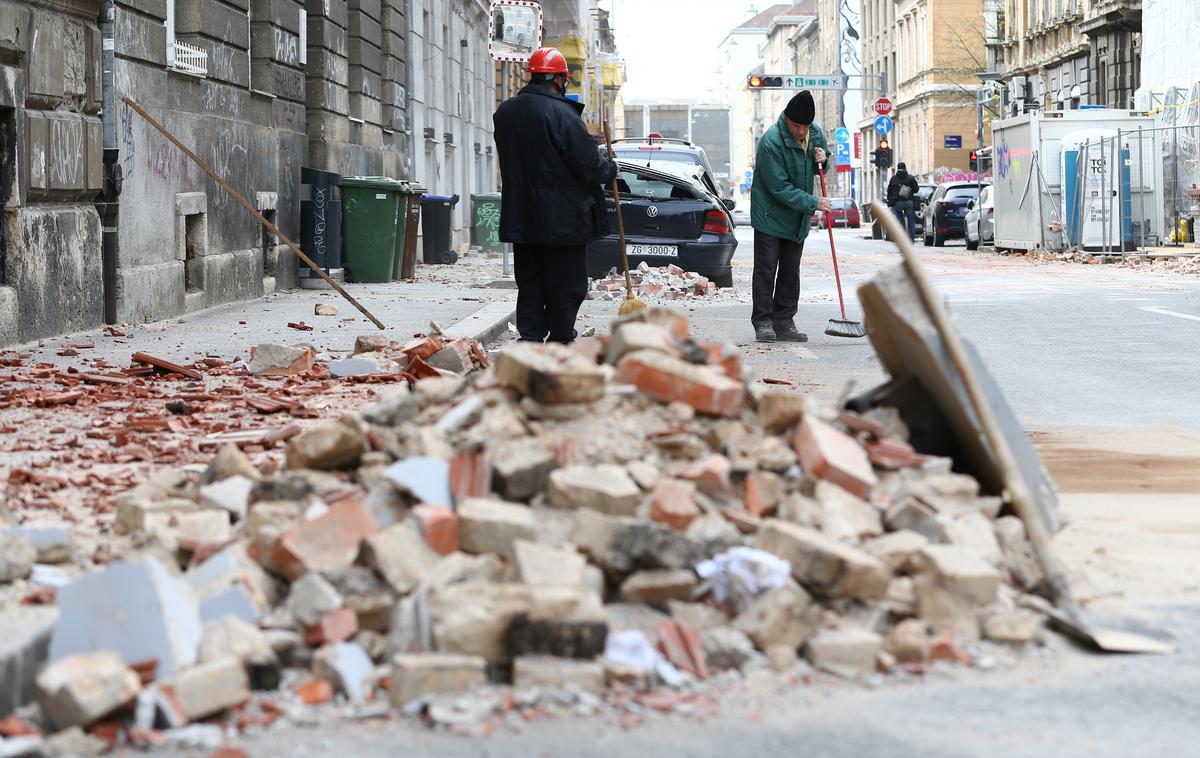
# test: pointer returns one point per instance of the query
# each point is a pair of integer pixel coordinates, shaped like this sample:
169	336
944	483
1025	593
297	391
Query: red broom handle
829	226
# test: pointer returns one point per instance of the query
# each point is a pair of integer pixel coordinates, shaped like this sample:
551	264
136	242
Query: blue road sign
749	174
841	151
883	124
842	134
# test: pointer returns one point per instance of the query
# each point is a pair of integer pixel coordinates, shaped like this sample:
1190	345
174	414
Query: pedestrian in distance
782	203
551	173
902	193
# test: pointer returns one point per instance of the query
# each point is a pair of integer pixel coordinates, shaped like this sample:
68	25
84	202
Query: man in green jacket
781	206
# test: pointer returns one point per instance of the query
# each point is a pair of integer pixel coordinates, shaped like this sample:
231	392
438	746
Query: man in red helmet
552	204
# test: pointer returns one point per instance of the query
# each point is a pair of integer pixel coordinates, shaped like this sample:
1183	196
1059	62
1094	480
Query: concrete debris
848	652
347	667
135	608
416	676
558	673
17	555
52	544
208	688
277	360
24	642
80	689
543	513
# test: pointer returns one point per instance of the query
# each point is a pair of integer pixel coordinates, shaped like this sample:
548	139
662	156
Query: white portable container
1028	179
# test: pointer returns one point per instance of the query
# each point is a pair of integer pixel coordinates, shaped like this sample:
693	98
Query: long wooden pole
1014	483
254	211
620	221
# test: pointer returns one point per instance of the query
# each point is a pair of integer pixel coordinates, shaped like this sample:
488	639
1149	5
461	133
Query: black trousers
552	283
776	289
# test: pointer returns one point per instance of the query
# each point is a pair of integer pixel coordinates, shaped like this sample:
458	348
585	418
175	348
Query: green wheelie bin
485	222
371	222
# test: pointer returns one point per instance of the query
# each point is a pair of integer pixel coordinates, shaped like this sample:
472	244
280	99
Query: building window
182	57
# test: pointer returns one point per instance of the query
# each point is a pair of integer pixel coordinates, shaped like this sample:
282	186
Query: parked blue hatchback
670	217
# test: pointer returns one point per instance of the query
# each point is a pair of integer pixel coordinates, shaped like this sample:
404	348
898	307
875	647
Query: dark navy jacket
551	171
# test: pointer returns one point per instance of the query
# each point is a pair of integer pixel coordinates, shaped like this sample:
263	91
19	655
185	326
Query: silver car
980	220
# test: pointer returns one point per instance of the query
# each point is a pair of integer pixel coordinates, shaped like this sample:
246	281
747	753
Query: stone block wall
244	117
51	166
355	93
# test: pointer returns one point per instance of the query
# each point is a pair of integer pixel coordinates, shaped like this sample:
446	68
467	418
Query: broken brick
668	379
335	626
549	373
825	453
674	504
439	527
327	543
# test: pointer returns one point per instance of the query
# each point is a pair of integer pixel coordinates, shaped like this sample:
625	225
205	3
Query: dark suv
946	213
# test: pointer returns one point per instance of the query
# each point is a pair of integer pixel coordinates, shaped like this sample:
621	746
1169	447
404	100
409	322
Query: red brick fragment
439	527
315	691
668	379
327	543
682	647
470	476
674	504
826	453
336	626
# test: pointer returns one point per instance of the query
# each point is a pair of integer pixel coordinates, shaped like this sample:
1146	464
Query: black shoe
790	334
764	333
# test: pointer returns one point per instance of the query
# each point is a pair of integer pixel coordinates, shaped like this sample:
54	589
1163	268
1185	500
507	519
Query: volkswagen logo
652	212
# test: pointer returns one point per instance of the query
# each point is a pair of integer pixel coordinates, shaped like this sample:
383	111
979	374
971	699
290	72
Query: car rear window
961	193
656	155
639	186
841	204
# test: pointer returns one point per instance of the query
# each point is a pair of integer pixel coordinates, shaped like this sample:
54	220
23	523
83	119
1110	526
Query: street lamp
982	96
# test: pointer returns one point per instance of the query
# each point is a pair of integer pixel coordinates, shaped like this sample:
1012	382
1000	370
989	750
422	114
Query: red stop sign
883	106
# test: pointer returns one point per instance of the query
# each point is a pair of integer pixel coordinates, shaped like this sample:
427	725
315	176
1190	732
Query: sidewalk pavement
442	294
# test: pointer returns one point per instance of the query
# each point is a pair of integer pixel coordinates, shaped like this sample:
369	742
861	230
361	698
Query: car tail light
717	222
649	147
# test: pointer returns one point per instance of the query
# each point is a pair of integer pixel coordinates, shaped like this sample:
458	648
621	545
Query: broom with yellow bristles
631	304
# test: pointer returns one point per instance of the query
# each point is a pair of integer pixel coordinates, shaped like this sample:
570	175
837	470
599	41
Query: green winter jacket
781	199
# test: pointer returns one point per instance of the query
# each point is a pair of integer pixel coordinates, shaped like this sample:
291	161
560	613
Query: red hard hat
548	60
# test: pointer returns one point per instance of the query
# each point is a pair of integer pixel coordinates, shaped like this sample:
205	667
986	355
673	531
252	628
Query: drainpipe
108	206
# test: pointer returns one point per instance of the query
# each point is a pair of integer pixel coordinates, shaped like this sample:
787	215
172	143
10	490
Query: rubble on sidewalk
661	284
618	534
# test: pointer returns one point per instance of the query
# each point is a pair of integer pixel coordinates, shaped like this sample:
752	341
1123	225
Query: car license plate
670	251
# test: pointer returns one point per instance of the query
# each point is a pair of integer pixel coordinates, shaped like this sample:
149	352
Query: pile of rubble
612	525
1178	264
661	284
1182	264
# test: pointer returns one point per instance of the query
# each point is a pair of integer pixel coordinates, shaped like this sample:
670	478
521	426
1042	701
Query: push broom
631	304
837	327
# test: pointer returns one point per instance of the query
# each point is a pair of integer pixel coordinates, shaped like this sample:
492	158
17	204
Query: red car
844	213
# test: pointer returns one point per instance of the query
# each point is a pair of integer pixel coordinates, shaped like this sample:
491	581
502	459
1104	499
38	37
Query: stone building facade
930	53
1046	55
1114	32
259	89
51	167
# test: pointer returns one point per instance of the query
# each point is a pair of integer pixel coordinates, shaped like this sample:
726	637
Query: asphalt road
1071	344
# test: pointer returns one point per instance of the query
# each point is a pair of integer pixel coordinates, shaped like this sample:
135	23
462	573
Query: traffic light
883	156
980	162
762	81
974	160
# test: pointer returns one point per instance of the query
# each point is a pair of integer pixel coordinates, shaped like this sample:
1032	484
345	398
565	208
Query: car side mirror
729	204
971	205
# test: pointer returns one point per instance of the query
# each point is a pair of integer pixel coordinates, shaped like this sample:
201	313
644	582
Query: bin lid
487	197
373	182
439	198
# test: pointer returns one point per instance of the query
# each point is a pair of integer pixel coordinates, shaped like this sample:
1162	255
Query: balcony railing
189	59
